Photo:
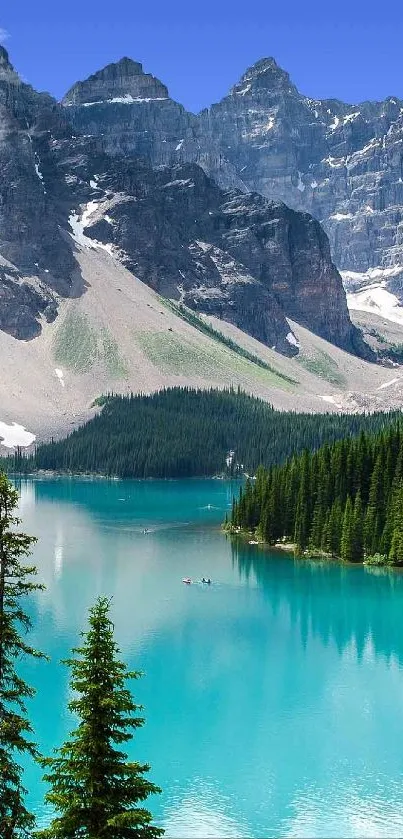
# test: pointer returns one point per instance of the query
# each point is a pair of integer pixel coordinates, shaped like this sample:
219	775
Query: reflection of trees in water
338	604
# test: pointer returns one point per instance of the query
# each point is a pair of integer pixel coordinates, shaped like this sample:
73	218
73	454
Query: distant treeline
181	432
346	499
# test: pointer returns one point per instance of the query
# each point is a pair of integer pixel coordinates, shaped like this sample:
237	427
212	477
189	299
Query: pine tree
94	789
335	528
318	523
265	529
302	518
347	534
374	519
396	545
16	582
357	527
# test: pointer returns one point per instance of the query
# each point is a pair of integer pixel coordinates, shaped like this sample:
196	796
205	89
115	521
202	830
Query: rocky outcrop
130	111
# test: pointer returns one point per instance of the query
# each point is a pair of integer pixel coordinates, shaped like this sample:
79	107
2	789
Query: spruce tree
357	547
396	545
335	528
94	789
347	533
16	583
302	518
374	520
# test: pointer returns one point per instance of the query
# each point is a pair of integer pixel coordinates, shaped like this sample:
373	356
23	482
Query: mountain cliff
340	162
35	262
91	171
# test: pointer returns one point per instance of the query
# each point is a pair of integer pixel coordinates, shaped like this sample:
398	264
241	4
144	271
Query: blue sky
349	49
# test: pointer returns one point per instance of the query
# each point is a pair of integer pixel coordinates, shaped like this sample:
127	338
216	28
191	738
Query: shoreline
249	537
49	473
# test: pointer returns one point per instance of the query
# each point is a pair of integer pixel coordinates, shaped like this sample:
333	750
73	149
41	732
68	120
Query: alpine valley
143	246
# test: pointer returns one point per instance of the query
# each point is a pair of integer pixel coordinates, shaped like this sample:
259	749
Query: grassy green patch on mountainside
178	356
322	365
201	325
75	343
77	346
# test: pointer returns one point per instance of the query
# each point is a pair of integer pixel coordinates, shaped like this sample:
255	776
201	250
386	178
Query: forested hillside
182	432
346	499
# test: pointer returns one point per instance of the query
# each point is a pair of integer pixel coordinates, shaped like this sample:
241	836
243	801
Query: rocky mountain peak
265	75
124	81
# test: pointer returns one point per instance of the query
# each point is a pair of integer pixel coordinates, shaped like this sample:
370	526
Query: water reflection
340	605
274	698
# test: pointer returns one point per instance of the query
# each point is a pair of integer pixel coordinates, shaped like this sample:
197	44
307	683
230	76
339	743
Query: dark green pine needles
16	582
94	789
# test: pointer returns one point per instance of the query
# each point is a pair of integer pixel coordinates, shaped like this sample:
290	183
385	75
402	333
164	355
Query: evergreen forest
344	500
181	432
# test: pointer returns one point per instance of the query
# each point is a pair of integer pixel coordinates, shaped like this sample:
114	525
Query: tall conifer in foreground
94	789
16	582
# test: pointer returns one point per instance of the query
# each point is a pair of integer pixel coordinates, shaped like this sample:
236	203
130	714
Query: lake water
273	698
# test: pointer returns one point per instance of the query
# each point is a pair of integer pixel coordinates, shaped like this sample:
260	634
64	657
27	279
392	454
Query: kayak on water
188	581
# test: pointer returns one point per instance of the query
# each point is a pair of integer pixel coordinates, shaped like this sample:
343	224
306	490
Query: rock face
36	263
131	113
107	170
342	163
241	257
125	81
130	110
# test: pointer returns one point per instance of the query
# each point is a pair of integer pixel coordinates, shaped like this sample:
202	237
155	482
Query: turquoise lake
273	698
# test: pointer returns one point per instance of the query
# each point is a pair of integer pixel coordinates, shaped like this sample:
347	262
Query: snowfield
15	435
369	293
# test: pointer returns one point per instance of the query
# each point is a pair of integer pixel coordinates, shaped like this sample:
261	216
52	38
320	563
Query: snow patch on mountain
368	292
79	223
15	435
60	375
290	337
121	100
39	173
341	216
300	184
335	162
244	90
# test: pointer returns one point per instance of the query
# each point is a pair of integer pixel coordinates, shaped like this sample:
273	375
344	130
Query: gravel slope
120	336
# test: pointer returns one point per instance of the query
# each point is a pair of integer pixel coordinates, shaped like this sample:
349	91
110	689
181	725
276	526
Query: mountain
112	240
340	162
343	163
132	113
249	260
